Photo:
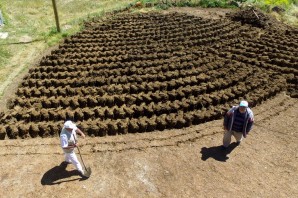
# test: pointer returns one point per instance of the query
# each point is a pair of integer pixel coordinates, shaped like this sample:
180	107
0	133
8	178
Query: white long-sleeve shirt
67	139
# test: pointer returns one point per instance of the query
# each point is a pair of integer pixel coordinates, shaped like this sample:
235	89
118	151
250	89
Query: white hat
243	103
69	125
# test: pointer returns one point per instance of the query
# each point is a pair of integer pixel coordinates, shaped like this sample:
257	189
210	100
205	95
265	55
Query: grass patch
216	3
36	17
291	15
35	20
4	55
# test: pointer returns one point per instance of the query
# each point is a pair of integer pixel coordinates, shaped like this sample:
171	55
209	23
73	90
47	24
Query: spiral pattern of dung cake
146	72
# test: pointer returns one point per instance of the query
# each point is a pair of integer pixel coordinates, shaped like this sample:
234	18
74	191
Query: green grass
4	54
36	17
35	20
291	15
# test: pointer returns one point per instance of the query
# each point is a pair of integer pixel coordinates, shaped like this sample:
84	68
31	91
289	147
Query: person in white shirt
68	143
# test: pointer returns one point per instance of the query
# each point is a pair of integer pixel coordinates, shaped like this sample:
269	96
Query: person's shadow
52	176
217	152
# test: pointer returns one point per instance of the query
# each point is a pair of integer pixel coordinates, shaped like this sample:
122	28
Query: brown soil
184	162
172	163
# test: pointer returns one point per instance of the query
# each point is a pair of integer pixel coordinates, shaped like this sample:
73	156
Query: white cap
69	125
243	103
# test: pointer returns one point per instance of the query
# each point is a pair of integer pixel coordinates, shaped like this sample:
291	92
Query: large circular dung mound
145	72
252	16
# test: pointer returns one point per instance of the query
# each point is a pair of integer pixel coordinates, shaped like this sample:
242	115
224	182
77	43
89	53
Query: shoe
81	173
238	143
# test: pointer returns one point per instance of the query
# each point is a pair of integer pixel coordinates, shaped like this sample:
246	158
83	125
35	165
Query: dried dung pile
250	15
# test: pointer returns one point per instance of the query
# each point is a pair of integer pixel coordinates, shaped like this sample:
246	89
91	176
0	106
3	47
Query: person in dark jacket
238	122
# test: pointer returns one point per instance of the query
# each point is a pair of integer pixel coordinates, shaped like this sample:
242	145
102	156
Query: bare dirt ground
172	163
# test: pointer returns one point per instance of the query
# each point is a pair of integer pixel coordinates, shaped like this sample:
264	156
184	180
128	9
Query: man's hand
245	134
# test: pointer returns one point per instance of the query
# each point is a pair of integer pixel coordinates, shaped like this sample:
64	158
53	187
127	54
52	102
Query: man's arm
78	131
250	121
69	147
228	117
249	124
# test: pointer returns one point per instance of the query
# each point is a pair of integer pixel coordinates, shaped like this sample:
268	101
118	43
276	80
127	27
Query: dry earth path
172	163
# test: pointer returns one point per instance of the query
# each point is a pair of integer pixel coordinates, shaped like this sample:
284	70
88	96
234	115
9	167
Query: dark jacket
248	121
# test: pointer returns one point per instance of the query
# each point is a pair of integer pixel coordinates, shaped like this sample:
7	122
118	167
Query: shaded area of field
146	72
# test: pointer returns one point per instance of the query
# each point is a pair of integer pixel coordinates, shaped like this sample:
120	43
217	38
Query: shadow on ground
58	175
217	152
